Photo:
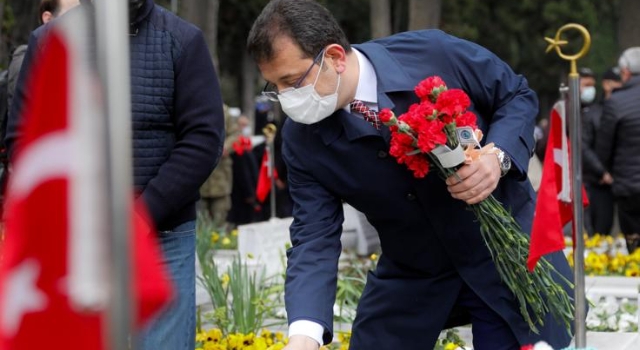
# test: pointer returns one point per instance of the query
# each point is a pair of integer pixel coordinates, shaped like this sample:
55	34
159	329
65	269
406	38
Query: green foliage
243	298
216	237
451	336
351	281
515	31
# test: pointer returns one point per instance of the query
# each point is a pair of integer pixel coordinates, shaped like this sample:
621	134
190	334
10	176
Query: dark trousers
598	216
408	313
629	217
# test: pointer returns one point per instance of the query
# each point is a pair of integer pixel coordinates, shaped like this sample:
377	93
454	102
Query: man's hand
475	181
606	179
301	342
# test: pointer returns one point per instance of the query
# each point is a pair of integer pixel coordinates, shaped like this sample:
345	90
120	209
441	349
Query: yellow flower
226	241
215	237
214	335
214	346
374	257
632	271
234	233
202	336
450	346
279	336
224	279
249	256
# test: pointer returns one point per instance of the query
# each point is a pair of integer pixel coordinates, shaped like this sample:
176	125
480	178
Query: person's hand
606	179
476	180
301	342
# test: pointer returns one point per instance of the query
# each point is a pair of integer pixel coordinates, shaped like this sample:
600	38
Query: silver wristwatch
505	162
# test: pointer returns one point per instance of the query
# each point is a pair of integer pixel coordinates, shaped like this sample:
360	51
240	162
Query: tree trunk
628	27
204	14
26	20
189	10
211	31
380	18
249	77
3	41
424	14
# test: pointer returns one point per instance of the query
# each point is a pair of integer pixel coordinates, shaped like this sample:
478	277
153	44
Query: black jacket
618	142
177	119
592	167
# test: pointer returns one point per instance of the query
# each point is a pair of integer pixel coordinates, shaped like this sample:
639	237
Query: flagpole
112	29
575	132
269	132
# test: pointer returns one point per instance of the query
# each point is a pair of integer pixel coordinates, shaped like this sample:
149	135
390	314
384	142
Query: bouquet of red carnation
243	144
439	131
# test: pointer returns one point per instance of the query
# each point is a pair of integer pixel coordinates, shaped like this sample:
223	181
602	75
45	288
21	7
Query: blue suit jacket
424	232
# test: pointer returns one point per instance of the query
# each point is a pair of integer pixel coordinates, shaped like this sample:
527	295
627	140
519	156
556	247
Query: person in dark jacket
178	133
598	216
434	261
618	145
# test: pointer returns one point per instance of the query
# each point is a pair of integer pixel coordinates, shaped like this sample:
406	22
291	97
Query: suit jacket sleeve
19	99
591	161
606	135
310	287
506	105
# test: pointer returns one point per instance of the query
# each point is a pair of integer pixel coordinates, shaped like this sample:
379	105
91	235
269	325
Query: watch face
505	163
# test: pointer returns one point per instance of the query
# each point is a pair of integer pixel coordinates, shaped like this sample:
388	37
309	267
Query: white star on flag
21	295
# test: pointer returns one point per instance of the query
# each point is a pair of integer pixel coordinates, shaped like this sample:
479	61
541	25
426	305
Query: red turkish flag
553	207
264	177
53	273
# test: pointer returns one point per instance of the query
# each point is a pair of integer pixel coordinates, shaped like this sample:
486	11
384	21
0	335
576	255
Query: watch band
505	161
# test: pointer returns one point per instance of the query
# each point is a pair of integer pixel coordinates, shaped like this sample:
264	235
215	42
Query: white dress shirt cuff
308	328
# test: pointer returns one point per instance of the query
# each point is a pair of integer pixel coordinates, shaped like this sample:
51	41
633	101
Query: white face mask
305	106
246	131
588	94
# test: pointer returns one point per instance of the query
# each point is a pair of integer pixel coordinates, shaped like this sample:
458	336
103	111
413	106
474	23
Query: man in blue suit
435	270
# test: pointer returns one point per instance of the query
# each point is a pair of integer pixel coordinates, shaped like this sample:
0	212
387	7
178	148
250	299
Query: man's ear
625	74
338	57
46	17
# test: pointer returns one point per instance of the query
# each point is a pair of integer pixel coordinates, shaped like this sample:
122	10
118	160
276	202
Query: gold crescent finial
556	44
270	131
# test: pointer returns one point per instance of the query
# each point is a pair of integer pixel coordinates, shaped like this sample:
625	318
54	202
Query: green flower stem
537	293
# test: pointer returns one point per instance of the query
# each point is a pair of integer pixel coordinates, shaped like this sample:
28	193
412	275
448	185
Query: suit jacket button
411	196
382	154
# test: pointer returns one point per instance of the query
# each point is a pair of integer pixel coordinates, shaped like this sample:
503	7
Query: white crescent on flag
41	162
561	152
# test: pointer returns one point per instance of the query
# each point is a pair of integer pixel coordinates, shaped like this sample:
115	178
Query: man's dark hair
52	6
308	23
612	74
586	72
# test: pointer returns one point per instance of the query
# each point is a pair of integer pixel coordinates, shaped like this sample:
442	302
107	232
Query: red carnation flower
419	165
385	116
467	119
431	135
425	88
452	102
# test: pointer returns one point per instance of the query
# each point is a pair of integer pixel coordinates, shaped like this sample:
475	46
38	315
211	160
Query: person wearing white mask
598	216
435	271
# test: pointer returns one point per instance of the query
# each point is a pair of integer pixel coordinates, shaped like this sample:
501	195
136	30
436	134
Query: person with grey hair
598	216
618	145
